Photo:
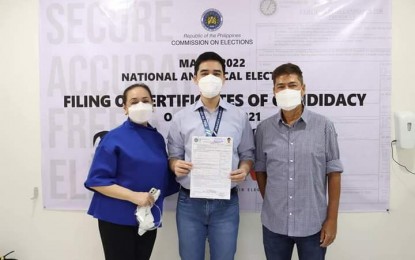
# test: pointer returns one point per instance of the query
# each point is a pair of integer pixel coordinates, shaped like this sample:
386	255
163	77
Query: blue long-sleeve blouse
132	156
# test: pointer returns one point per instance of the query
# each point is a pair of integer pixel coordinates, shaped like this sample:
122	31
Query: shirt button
291	197
291	143
291	160
291	179
291	214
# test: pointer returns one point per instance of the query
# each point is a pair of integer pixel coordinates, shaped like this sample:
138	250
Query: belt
234	190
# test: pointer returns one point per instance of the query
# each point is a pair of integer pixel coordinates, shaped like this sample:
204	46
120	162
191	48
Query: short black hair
137	85
287	68
206	56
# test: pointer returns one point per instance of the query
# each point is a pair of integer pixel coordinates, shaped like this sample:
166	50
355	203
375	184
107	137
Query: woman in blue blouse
129	161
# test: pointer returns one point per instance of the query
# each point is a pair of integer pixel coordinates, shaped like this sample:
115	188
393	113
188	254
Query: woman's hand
115	191
142	199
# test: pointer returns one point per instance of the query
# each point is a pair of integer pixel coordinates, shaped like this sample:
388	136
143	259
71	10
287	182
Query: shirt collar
305	116
131	124
198	104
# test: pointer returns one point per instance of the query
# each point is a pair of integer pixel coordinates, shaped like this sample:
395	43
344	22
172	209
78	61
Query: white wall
35	233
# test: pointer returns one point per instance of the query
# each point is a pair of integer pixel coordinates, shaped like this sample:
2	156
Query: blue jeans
280	247
216	220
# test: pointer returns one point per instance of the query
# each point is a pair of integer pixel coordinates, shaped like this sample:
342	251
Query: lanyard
209	132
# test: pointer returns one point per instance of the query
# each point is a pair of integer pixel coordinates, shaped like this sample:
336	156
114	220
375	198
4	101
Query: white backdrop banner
90	51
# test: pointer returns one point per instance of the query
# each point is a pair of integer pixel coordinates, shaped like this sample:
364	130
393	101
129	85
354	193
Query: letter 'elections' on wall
90	51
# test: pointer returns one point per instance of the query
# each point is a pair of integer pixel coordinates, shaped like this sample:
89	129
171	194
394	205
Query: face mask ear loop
160	221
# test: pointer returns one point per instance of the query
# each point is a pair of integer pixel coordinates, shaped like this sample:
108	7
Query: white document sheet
212	165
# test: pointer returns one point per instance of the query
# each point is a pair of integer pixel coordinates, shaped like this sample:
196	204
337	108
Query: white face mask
210	86
141	112
288	99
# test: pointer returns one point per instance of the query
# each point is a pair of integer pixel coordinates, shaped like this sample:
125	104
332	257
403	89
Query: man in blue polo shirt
297	160
213	219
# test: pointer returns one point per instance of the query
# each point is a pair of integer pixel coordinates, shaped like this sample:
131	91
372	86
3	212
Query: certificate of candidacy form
212	164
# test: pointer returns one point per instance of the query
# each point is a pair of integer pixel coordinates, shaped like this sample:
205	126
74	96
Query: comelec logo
212	19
